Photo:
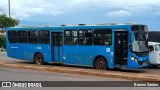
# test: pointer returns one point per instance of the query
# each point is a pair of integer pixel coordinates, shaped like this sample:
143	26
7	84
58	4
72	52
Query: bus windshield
140	39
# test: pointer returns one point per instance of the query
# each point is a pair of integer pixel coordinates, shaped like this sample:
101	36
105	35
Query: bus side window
44	37
12	36
22	36
151	48
85	37
71	37
33	36
102	37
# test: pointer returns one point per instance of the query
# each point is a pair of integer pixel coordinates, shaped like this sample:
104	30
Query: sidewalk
136	76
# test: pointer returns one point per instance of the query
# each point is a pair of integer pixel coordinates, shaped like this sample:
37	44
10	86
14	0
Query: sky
57	12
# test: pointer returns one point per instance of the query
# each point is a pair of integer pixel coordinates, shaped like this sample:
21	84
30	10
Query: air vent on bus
128	23
105	24
81	24
73	24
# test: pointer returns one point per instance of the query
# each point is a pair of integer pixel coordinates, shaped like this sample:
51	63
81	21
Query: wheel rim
101	65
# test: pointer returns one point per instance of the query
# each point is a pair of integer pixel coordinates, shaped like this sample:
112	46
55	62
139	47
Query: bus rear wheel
101	63
38	59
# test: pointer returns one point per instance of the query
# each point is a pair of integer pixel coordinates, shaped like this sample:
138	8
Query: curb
81	71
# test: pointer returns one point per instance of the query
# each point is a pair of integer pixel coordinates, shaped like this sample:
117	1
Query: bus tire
154	66
100	63
38	59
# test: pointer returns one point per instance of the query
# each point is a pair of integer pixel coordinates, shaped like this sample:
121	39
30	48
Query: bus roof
71	27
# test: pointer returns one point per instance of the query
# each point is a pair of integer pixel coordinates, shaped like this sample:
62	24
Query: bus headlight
134	59
159	57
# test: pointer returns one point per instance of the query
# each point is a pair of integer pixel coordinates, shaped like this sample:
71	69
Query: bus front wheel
100	63
38	59
154	66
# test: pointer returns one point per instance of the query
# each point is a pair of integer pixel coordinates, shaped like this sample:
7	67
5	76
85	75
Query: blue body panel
27	52
74	55
84	55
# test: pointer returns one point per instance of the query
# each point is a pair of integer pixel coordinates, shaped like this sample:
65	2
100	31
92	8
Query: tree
2	42
7	22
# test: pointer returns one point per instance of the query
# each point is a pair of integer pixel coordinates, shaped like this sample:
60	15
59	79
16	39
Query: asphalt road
9	74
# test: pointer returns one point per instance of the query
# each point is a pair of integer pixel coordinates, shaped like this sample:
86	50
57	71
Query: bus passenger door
56	46
121	48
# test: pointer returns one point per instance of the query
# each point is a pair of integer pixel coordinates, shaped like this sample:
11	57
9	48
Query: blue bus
98	46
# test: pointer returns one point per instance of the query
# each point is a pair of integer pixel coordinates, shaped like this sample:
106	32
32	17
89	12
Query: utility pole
9	8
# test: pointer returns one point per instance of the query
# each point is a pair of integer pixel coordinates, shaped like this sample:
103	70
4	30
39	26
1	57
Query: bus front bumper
143	64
